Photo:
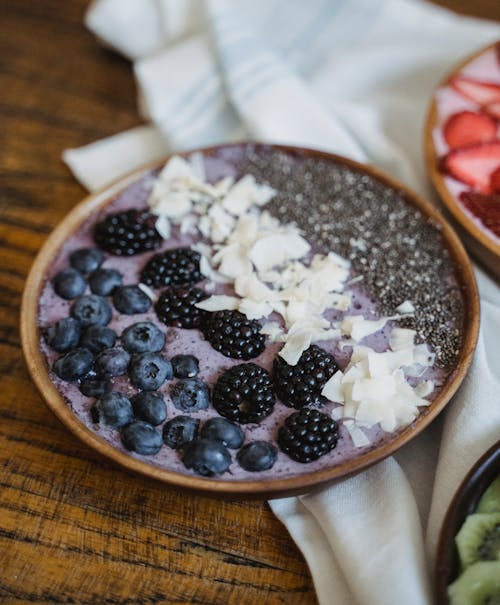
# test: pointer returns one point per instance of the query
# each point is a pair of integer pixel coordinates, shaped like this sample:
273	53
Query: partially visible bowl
465	502
447	102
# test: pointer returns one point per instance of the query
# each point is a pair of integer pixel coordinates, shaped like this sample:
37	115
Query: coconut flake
151	294
406	307
277	248
402	338
359	439
295	345
332	389
218	302
424	388
163	226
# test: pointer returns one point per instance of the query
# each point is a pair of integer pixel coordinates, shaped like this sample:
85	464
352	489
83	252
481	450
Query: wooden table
73	527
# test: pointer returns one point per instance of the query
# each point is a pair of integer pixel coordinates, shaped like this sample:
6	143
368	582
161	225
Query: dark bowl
465	502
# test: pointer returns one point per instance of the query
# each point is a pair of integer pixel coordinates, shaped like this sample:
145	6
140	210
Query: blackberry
176	307
127	233
307	435
244	393
300	385
177	267
233	335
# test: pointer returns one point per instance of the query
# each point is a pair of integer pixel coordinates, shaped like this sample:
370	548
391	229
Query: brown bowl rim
269	488
480	244
464	502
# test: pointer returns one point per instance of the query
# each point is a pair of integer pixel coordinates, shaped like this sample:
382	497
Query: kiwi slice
478	585
479	539
490	500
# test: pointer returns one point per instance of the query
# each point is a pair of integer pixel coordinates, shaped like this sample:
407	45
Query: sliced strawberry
474	165
485	207
468	127
495	181
493	110
476	90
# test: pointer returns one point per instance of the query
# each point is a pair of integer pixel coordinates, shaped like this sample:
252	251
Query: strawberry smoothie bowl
463	147
250	314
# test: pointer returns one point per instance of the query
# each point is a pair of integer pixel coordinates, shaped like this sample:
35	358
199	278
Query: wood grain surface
74	528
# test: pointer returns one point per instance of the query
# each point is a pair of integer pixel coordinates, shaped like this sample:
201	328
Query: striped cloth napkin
352	77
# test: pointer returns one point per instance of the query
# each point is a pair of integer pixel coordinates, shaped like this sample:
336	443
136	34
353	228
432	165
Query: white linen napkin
352	77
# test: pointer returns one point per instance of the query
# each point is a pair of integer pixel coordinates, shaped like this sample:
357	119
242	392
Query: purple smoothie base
212	363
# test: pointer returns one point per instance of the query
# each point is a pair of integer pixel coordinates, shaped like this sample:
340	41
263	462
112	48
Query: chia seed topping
353	214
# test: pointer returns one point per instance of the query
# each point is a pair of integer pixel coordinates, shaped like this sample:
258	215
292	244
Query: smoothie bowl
250	319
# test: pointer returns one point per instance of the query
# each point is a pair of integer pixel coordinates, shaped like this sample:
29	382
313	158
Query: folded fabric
352	77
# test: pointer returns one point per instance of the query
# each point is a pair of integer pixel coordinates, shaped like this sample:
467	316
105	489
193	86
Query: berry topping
474	165
206	457
301	384
220	429
131	300
97	338
185	366
244	393
180	430
233	335
176	307
307	435
485	207
143	337
495	181
149	371
493	110
86	260
74	365
91	309
257	456
113	409
112	362
127	233
190	395
63	335
480	92
69	284
94	386
105	281
150	407
177	267
467	128
141	437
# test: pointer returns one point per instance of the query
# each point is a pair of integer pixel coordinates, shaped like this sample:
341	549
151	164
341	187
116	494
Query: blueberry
96	338
149	406
223	430
91	309
142	438
69	284
63	335
190	395
257	456
93	386
113	409
86	260
130	300
112	362
185	366
149	371
206	457
74	365
180	430
104	281
143	337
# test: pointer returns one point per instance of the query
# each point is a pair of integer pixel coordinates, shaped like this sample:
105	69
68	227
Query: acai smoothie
249	313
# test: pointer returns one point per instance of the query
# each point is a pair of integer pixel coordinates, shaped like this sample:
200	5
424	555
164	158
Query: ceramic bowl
272	487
